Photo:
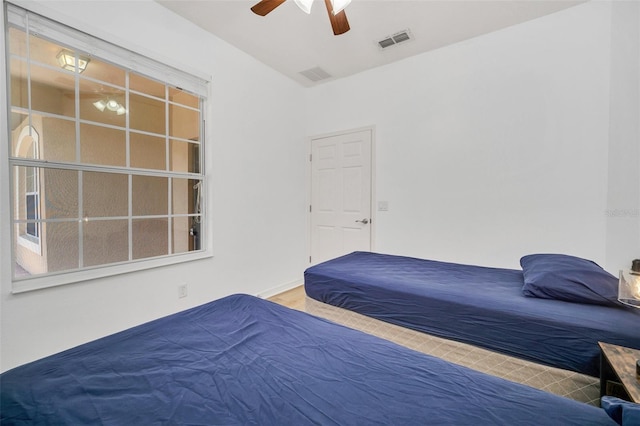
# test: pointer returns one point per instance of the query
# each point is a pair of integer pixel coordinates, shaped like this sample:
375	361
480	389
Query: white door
340	195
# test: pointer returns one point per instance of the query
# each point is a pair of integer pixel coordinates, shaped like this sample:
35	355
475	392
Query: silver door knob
363	221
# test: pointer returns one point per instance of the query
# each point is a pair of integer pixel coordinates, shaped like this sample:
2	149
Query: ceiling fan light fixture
305	5
339	5
337	17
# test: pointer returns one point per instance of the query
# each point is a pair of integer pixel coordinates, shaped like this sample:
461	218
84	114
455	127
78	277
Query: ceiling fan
335	8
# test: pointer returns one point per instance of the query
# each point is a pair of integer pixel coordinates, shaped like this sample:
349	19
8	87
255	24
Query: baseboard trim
279	289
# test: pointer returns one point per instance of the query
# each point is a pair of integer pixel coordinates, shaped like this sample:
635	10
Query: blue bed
243	360
477	305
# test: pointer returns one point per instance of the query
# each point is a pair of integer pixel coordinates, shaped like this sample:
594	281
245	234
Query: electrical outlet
182	291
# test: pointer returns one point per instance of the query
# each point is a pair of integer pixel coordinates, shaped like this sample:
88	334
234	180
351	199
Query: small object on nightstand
629	285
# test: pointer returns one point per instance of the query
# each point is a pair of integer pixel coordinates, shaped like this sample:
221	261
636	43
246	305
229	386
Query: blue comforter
244	361
473	304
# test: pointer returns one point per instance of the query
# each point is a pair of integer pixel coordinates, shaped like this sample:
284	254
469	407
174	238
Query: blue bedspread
245	361
472	304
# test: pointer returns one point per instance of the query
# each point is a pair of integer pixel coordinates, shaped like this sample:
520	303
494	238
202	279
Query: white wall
256	192
494	147
623	196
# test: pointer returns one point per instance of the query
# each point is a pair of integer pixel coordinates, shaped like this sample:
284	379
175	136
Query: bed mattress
242	360
477	305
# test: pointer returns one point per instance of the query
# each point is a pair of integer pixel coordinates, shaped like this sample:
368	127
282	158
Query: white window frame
127	59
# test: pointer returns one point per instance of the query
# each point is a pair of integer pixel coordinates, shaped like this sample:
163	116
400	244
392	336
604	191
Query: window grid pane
147	152
102	145
127	176
105	241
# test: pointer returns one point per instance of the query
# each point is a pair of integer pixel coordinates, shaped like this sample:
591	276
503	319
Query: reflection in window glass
29	259
18	120
104	194
45	51
102	103
60	194
60	143
103	71
146	85
148	152
32	204
102	145
182	238
184	156
181	97
149	195
53	92
183	196
105	241
147	114
25	140
105	162
184	123
64	236
23	185
150	238
60	197
19	83
17	42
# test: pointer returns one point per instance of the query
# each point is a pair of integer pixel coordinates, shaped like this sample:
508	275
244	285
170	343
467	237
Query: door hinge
309	259
309	208
310	157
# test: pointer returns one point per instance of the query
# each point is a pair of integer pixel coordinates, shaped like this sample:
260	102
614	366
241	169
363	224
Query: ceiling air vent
316	74
397	38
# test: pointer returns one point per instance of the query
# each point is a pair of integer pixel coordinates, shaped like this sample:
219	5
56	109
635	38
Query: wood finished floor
293	298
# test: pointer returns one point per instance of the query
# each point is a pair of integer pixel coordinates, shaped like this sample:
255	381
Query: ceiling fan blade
339	22
265	6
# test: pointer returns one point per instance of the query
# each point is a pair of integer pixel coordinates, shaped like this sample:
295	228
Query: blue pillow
568	278
623	412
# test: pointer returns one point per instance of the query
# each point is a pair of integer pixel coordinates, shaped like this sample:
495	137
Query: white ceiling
291	41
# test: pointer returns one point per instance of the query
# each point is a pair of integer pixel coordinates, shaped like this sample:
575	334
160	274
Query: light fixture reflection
110	105
305	5
67	60
101	105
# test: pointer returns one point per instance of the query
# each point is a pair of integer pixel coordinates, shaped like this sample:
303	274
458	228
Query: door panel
340	195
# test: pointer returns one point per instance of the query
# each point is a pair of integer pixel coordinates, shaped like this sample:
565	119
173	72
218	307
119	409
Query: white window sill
24	284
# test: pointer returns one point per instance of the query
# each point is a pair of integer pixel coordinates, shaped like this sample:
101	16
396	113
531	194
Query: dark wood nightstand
618	372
